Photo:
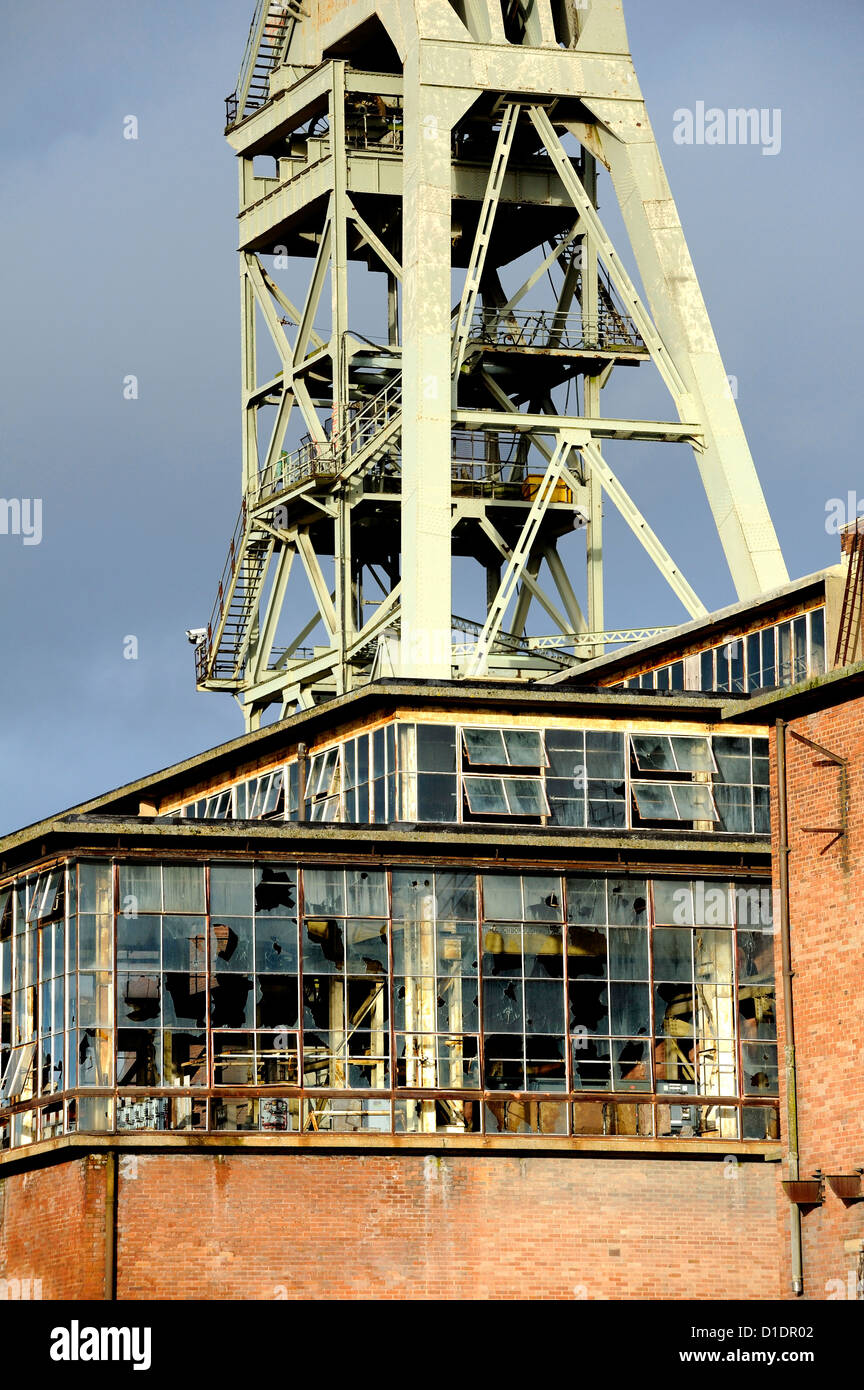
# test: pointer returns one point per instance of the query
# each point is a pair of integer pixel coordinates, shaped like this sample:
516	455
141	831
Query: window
503	796
18	1072
504	747
674	801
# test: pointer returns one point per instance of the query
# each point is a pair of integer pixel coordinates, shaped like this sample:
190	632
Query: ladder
221	654
853	596
271	28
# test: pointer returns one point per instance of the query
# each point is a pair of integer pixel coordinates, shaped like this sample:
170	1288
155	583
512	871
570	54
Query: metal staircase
269	33
220	656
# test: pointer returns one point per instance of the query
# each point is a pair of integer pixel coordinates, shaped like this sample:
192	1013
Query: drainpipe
301	781
788	1013
110	1278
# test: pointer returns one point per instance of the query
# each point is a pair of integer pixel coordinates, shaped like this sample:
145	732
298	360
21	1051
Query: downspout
301	781
792	1156
110	1276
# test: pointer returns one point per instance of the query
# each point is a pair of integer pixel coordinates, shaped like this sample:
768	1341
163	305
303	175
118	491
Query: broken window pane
139	999
458	1062
759	1068
277	1003
324	891
94	1052
233	1059
653	752
184	943
591	1063
588	1008
184	1002
324	945
586	952
234	1114
367	893
276	946
231	1001
275	892
586	900
139	1061
503	1008
526	1117
505	1063
437	1116
231	944
366	947
631	1064
544	1006
185	1058
277	1059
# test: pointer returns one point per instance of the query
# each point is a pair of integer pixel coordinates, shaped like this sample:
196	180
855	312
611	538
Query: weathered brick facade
827	935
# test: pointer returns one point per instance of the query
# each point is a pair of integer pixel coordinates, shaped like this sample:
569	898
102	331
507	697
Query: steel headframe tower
433	143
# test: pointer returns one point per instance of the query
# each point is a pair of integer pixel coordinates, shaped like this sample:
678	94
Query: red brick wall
826	903
52	1224
340	1226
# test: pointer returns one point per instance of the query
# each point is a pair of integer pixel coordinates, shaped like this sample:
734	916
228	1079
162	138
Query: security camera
196	635
580	517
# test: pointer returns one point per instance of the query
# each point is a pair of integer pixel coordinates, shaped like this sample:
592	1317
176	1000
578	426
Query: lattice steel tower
417	152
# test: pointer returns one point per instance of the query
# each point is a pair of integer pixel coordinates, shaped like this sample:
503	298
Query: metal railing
271	24
548	328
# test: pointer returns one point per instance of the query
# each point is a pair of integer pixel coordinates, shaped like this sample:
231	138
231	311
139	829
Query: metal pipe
792	1156
110	1287
301	781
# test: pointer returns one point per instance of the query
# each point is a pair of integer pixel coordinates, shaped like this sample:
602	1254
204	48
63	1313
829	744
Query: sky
119	259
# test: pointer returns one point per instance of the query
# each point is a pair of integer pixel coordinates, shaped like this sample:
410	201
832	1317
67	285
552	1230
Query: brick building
473	984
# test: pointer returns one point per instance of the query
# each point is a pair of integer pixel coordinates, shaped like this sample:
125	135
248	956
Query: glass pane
503	1006
628	902
694	802
693	754
231	944
484	746
629	1009
524	747
456	896
817	642
233	1059
586	900
544	1006
525	796
502	897
366	947
324	945
367	893
604	754
673	954
754	661
654	801
486	796
436	748
653	752
184	943
231	890
734	807
769	664
183	887
628	953
588	1002
276	946
140	888
324	891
